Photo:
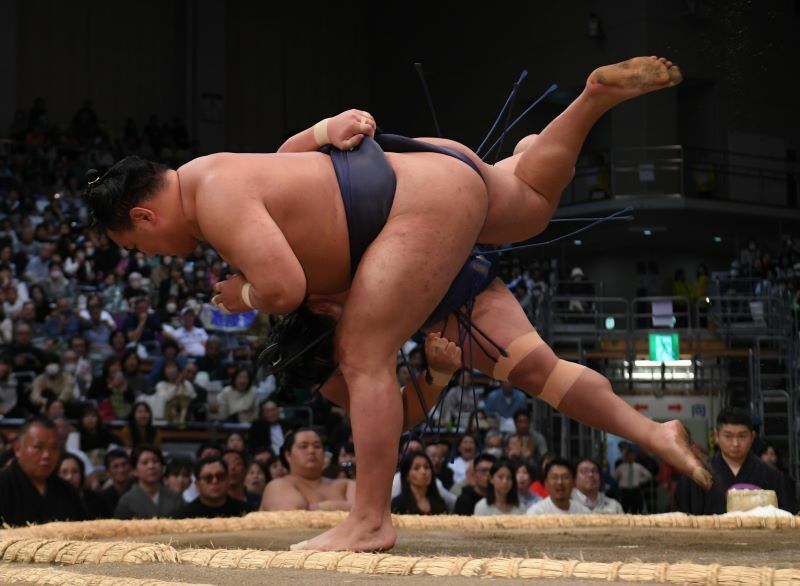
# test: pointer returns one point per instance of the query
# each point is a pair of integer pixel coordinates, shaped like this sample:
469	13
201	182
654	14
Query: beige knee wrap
517	350
559	381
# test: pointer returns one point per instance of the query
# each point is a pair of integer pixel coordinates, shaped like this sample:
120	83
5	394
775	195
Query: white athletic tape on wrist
440	379
219	305
246	295
321	133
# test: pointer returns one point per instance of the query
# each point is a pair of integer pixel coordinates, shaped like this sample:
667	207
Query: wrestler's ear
141	215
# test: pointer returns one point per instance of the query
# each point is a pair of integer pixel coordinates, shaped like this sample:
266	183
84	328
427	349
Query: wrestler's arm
250	240
281	495
344	131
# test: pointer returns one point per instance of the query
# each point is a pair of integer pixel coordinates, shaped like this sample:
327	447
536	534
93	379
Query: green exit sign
664	347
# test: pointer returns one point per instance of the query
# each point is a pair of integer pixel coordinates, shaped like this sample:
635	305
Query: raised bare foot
353	535
671	442
634	77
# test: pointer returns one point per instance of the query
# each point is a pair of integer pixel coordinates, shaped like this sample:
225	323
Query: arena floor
751	552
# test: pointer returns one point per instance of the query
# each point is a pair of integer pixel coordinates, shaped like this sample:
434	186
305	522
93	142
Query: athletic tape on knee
517	350
559	381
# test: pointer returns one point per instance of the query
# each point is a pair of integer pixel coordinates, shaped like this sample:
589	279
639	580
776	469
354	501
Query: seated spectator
587	490
526	443
263	455
254	482
141	325
524	473
53	383
438	456
23	354
96	438
97	331
275	468
148	497
40	309
173	395
559	479
769	456
631	477
213	486
71	469
8	389
138	383
83	366
479	486
213	363
467	447
29	491
457	404
412	446
538	487
506	401
119	402
501	497
734	466
118	465
178	475
169	353
139	429
62	323
268	429
235	442
304	488
238	402
237	467
118	344
94	307
207	449
493	444
191	338
418	492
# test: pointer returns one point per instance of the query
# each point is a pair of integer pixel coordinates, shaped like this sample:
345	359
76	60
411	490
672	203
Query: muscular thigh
438	210
515	210
498	314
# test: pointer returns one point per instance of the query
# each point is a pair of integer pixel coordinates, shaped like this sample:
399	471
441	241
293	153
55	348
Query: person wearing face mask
135	287
57	285
53	383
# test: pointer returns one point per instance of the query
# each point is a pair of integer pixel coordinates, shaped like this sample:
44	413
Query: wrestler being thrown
293	224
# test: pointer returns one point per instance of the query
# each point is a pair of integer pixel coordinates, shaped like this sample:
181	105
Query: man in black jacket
733	466
476	490
213	500
29	491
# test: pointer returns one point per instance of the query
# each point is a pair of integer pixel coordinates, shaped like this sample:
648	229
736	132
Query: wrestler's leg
578	392
521	203
403	275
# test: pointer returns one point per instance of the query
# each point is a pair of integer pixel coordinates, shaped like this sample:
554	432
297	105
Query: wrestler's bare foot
671	442
353	534
634	77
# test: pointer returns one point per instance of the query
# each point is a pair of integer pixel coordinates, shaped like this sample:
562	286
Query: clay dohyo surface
742	547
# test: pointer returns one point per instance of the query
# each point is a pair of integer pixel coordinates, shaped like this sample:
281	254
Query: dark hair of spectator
206	445
127	184
36	420
594	462
240	455
735	416
409	503
524	412
115	454
528	465
73	457
198	467
484	458
560	462
513	496
139	451
149	430
268	464
178	465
